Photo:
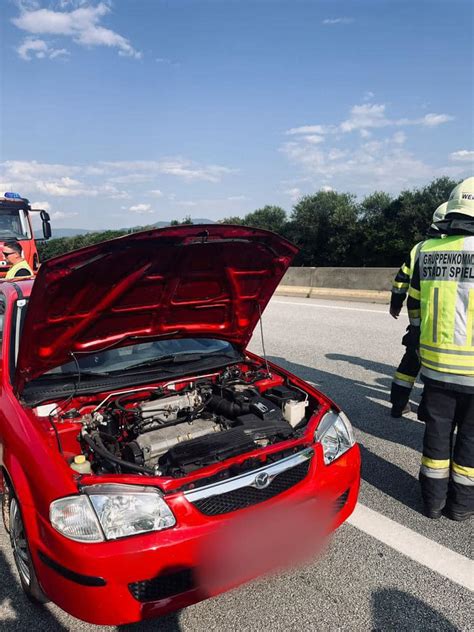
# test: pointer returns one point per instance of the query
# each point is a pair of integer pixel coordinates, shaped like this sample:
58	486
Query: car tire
22	556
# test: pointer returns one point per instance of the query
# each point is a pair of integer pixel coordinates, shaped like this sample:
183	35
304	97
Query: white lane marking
351	309
436	557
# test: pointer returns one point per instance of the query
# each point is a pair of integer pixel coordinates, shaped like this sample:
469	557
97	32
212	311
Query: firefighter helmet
461	199
440	212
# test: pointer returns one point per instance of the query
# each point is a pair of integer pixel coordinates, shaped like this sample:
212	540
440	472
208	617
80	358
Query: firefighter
441	309
407	370
19	267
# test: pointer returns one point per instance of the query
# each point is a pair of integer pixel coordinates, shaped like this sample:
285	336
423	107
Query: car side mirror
46	229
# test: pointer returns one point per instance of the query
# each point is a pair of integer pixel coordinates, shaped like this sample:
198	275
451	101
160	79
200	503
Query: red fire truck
15	223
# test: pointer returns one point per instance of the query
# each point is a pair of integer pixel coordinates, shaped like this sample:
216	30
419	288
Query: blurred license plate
262	540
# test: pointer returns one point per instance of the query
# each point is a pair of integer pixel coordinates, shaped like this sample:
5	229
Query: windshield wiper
181	358
75	374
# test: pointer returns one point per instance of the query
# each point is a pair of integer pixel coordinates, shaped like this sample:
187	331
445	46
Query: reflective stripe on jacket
401	281
441	304
21	265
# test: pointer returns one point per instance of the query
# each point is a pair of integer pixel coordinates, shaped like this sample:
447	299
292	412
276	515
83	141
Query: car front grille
163	586
247	496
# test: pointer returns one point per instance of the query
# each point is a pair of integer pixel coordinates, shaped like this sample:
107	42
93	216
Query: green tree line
330	228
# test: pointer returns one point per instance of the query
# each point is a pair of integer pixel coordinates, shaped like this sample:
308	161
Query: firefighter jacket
20	269
401	281
441	308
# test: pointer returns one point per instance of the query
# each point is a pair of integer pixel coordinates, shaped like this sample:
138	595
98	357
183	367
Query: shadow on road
17	613
385	371
391	479
356	399
168	623
395	610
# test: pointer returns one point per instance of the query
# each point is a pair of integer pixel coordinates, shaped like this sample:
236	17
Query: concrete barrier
299	276
359	284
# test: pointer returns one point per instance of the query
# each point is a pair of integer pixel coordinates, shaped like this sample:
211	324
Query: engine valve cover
151	445
168	408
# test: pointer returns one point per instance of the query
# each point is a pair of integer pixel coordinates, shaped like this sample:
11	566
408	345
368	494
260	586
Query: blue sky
126	112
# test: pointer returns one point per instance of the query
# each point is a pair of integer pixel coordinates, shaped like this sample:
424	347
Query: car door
3	307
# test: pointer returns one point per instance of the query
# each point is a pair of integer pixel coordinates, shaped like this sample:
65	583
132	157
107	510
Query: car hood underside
205	280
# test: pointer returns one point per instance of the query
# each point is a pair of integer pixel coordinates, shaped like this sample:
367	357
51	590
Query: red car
143	450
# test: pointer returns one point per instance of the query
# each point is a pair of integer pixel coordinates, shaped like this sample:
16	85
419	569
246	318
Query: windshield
146	355
13	224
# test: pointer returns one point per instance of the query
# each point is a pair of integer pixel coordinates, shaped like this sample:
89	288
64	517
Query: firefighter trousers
405	375
447	465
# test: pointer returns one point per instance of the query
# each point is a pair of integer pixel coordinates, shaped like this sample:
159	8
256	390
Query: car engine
173	433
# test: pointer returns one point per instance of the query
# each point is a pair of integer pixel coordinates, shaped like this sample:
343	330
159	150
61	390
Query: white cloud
237	198
326	188
179	167
369	95
399	138
82	25
166	61
27	5
141	209
37	48
132	178
308	129
188	171
369	166
64	187
45	206
59	215
313	139
332	21
23	170
56	180
369	159
56	216
34	178
463	155
111	191
366	117
433	120
56	53
336	154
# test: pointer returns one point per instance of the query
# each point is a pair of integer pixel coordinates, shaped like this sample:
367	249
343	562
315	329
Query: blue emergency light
12	196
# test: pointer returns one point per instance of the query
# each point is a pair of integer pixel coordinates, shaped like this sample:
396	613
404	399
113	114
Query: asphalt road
389	568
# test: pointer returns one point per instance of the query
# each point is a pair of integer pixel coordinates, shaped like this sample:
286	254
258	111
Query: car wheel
6	506
22	556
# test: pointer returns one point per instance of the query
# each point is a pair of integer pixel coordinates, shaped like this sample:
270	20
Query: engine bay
176	428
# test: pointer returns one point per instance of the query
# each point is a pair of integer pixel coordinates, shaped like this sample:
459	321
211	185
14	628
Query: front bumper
145	576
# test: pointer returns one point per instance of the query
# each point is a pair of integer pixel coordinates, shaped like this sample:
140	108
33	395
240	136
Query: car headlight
108	512
335	435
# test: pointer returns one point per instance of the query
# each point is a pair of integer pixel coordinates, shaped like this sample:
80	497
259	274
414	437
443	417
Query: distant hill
66	232
72	232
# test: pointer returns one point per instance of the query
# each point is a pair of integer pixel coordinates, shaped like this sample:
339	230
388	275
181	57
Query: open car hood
187	281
